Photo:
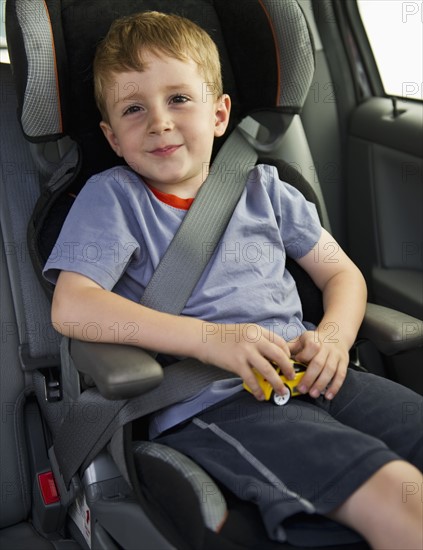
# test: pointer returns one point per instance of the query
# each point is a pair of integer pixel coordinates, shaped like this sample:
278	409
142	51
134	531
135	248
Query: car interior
77	469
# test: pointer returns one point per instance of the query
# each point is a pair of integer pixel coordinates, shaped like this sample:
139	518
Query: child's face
163	122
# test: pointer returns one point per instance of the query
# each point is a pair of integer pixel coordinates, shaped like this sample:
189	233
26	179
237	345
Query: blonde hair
128	37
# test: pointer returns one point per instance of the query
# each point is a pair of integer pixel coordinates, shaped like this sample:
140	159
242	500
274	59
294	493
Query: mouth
165	151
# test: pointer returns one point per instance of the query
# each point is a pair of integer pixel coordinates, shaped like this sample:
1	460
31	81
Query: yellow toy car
291	385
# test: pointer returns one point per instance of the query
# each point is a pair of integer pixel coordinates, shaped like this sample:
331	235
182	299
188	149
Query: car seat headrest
265	47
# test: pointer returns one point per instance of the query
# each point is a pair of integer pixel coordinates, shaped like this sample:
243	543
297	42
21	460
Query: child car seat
63	82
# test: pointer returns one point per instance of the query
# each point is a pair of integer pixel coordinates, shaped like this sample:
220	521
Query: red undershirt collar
171	200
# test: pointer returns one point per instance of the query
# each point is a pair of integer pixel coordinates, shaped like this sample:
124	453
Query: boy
149	80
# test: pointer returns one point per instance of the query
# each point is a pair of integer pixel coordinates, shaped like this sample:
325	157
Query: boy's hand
239	348
327	364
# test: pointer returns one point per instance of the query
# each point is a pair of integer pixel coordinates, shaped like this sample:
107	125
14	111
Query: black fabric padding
23	535
52	225
310	295
173	495
249	38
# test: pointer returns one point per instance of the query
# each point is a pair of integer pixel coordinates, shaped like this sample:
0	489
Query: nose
159	121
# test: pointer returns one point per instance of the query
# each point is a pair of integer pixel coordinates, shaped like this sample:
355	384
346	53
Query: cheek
208	129
128	141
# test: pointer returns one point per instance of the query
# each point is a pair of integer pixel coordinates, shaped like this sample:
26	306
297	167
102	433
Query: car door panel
385	201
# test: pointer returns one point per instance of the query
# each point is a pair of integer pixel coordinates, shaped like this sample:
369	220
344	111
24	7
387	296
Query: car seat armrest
390	330
118	371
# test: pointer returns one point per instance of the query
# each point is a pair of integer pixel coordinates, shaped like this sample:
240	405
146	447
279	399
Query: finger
327	375
295	346
287	368
314	370
281	359
278	341
336	383
309	350
276	350
268	371
251	381
283	345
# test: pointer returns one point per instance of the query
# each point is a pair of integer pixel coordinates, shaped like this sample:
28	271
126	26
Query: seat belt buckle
48	512
49	367
51	496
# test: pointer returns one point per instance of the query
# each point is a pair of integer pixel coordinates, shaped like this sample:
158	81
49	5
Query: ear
111	137
222	113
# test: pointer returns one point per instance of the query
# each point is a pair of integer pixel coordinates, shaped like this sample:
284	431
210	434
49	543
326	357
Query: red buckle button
48	488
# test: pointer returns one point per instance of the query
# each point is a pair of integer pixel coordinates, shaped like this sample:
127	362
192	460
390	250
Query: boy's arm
344	301
84	310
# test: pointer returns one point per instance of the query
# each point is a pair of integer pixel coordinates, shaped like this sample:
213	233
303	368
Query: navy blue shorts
308	456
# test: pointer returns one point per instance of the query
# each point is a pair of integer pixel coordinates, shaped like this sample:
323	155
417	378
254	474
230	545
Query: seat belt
79	439
188	254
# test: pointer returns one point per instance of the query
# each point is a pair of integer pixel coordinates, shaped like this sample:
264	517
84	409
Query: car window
395	32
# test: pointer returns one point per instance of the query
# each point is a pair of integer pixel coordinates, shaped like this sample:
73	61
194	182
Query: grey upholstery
27	334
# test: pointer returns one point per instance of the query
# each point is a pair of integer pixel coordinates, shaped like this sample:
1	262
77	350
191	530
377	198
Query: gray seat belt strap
202	228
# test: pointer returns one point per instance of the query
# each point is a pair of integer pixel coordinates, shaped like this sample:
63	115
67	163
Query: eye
179	98
131	110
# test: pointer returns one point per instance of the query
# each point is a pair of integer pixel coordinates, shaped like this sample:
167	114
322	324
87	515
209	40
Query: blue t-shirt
118	230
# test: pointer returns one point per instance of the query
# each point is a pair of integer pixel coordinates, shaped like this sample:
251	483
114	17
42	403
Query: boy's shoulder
120	175
266	173
267	177
119	182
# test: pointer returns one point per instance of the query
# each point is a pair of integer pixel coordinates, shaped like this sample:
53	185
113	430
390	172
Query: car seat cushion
180	485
